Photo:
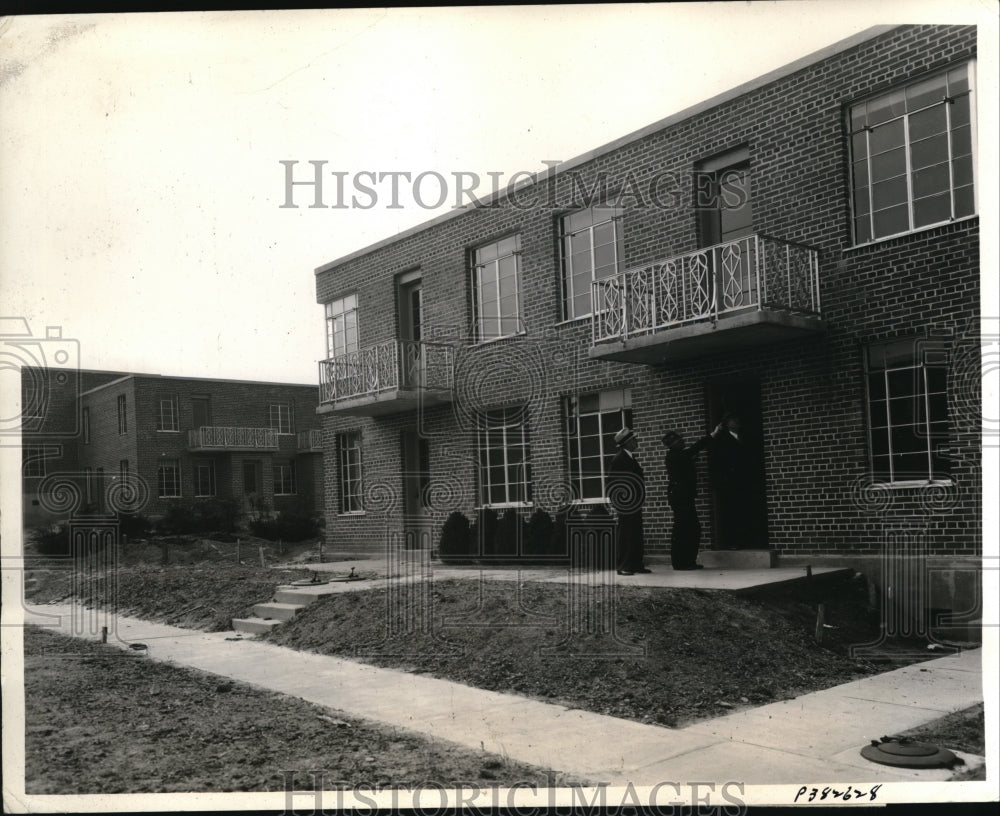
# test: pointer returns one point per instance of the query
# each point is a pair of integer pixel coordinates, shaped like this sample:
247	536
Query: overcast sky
140	154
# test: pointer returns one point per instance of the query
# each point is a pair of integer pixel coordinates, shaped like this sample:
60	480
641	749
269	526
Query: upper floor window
912	155
592	420
279	417
34	462
908	410
166	414
497	285
591	246
122	415
342	326
504	457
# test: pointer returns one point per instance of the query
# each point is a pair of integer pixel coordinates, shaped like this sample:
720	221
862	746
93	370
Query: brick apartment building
176	438
802	249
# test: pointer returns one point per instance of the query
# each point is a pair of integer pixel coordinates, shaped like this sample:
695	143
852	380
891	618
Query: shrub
51	540
538	534
484	531
180	518
287	527
456	536
508	533
217	515
133	525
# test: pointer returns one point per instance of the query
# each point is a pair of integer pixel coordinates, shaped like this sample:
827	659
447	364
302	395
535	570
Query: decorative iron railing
394	364
311	440
755	272
222	437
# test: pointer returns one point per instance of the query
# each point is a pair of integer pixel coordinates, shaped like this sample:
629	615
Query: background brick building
802	249
179	438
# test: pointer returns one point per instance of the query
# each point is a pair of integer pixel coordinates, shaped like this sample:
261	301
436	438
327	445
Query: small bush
133	525
538	534
456	537
287	527
484	531
51	540
507	538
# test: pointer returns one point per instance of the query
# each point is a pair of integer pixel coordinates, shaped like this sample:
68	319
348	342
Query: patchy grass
959	731
99	720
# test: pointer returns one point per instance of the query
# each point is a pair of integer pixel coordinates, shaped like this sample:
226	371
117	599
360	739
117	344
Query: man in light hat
682	491
627	493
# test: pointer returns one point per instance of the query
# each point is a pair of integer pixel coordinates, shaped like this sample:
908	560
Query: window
591	247
122	419
592	422
166	416
504	457
350	473
342	326
284	479
497	289
204	477
912	155
168	479
86	426
34	463
123	470
88	482
908	411
279	417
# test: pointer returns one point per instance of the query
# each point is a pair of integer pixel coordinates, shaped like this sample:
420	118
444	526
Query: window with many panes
34	463
204	477
496	279
279	417
504	457
349	445
123	470
166	414
908	411
591	249
168	479
912	155
86	426
284	479
122	415
592	420
342	326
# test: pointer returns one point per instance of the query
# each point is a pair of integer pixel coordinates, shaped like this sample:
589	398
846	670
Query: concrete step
300	597
254	626
277	611
738	559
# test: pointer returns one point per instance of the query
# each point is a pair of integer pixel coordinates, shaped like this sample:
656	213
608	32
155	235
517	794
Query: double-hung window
498	289
284	478
912	155
591	247
279	418
168	479
342	326
592	420
504	457
166	415
349	445
908	411
122	416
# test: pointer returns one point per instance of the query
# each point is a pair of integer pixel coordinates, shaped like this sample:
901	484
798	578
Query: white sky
139	154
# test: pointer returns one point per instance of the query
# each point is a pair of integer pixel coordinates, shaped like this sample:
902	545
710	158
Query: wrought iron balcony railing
310	441
228	438
395	365
755	272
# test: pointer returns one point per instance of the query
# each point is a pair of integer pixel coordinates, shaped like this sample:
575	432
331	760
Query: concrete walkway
815	737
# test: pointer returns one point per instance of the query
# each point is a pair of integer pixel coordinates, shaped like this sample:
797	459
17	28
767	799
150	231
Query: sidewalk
815	737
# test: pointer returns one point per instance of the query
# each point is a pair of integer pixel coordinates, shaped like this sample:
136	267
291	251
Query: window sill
572	320
500	339
284	495
505	506
913	483
170	497
165	430
909	234
352	514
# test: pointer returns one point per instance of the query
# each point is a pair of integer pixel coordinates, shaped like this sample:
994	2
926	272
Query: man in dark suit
682	490
729	462
626	488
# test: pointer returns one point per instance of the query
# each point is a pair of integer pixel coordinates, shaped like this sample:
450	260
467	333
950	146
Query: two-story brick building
802	250
178	438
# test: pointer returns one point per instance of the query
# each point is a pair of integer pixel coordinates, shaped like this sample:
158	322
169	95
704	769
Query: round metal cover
905	753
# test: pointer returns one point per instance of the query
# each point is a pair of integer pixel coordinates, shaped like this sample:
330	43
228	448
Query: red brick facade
813	406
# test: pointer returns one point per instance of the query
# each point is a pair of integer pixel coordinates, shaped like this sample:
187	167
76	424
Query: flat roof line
672	119
199	379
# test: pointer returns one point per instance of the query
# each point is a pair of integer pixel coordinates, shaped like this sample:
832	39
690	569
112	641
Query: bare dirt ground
99	720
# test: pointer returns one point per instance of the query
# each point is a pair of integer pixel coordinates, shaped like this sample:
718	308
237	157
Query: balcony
751	291
218	438
310	442
388	378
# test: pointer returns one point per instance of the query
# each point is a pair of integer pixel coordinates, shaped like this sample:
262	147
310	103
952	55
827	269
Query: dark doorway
739	517
416	480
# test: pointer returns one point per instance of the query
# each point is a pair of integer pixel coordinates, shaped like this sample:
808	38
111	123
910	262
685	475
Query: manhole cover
906	753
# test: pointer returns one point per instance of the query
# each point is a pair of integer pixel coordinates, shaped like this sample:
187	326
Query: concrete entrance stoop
738	559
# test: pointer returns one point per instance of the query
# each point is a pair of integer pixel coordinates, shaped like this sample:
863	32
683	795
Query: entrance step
254	626
300	597
738	559
277	611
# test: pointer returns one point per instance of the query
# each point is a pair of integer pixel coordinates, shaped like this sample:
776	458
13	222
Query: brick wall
812	391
